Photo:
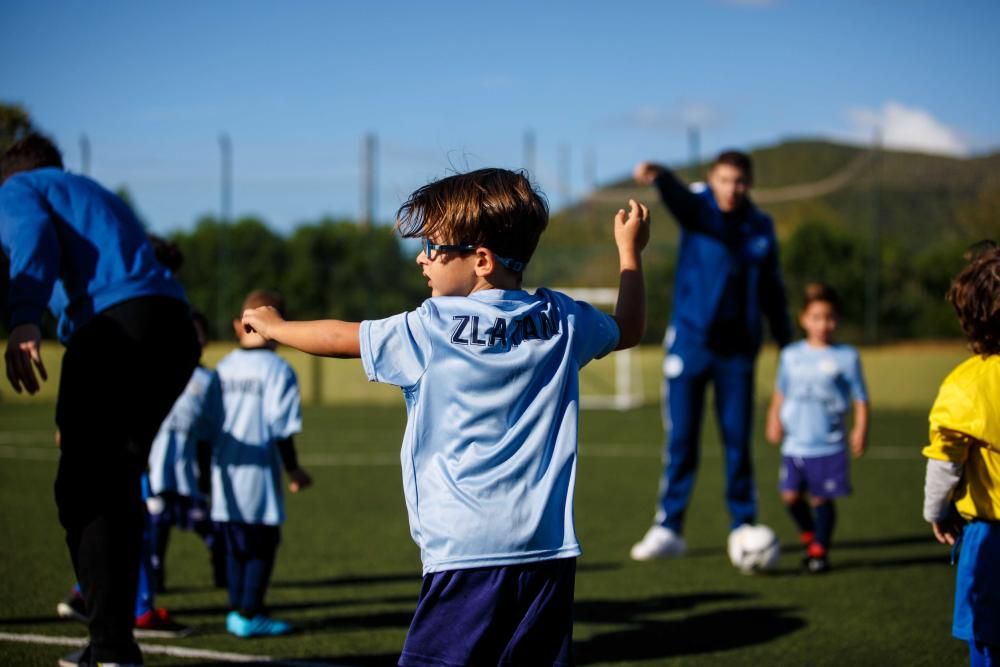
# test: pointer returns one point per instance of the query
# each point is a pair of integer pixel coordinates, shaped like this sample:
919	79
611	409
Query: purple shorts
509	615
819	476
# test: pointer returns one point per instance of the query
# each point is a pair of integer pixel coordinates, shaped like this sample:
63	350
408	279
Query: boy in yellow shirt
962	489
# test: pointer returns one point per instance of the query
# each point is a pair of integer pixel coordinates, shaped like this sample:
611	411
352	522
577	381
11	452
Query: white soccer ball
753	548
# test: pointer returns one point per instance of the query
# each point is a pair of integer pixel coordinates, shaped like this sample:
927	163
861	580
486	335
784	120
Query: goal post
627	392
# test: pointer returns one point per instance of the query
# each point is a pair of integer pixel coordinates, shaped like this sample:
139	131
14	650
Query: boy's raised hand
632	231
260	320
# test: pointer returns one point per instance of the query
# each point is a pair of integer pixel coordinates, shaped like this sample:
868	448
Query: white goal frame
628	393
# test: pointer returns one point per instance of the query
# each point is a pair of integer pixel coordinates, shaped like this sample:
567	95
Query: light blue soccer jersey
492	391
196	417
260	394
819	385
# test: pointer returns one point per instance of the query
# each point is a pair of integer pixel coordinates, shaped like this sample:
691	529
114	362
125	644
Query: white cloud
907	128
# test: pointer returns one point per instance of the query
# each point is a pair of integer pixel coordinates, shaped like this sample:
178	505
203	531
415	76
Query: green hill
917	200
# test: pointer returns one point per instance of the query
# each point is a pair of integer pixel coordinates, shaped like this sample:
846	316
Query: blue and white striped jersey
196	417
260	394
492	390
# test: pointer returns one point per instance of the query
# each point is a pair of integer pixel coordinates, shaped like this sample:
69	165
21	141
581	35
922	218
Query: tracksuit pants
121	374
688	370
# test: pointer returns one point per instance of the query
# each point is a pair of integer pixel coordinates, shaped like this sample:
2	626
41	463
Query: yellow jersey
965	429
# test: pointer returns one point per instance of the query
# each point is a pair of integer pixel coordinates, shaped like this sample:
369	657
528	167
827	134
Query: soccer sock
256	577
826	517
802	515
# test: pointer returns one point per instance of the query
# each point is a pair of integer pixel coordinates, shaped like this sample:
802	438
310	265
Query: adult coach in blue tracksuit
78	249
727	280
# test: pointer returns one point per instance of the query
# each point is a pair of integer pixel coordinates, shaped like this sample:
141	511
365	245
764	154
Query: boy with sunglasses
489	373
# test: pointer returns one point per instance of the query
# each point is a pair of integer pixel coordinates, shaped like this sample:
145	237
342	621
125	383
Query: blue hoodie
58	228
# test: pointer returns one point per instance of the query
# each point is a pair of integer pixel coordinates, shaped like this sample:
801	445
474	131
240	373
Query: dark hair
975	294
495	208
821	292
167	253
32	152
264	297
737	159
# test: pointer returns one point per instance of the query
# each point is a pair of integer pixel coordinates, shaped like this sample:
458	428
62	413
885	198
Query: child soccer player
260	396
818	381
962	490
179	467
489	374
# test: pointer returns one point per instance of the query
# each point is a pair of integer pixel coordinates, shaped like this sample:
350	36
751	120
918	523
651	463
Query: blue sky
455	85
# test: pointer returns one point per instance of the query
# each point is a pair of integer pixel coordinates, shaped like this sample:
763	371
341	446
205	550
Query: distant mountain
916	199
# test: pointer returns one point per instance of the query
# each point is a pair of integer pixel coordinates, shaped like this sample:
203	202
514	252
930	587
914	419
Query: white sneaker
659	542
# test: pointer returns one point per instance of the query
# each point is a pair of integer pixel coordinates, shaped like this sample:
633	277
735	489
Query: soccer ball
753	548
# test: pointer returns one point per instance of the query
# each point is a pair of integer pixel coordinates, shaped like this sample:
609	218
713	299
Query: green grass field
348	573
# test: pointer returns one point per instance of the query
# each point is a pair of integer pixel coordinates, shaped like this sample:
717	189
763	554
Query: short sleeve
397	350
954	425
211	414
596	333
282	406
856	379
781	381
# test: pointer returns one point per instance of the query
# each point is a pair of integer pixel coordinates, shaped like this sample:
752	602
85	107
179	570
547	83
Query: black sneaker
73	607
816	564
75	658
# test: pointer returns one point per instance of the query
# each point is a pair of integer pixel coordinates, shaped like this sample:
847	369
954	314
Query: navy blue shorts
820	476
182	511
510	615
248	541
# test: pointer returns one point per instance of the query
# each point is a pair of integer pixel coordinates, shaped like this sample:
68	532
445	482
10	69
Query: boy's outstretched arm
631	237
326	338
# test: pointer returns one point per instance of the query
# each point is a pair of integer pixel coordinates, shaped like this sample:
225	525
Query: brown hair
975	294
737	159
821	292
494	208
32	152
264	297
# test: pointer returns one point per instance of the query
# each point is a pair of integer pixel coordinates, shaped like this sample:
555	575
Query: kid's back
491	388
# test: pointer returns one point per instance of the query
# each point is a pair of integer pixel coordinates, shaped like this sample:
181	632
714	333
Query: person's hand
632	232
260	320
858	444
948	530
23	357
298	480
646	172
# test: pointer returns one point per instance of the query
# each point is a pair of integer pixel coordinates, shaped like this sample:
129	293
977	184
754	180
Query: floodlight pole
694	145
84	155
874	249
369	149
225	212
565	186
590	169
529	154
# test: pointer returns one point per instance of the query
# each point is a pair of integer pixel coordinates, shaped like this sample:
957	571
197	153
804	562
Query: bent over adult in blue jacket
79	251
727	281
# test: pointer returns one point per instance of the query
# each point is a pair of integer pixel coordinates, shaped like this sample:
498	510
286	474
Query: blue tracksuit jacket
52	223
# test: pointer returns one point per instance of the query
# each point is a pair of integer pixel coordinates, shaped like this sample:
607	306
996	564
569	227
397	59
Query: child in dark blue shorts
818	382
490	376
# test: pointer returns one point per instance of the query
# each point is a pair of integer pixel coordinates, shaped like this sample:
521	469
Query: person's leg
544	633
983	655
684	396
826	519
733	380
257	570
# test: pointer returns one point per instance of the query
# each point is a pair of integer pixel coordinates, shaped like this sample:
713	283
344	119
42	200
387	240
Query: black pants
121	374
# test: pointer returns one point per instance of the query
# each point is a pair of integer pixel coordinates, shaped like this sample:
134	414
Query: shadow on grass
646	638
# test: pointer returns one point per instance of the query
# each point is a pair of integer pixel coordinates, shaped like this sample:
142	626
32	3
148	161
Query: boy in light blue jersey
489	374
818	383
179	467
263	413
